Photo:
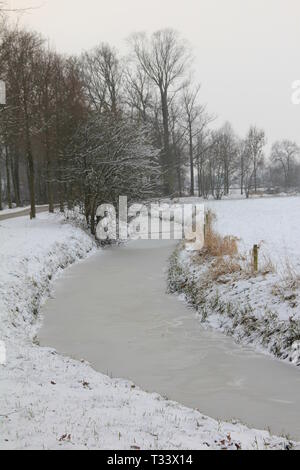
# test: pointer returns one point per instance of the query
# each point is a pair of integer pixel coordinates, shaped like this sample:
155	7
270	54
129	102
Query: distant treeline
84	130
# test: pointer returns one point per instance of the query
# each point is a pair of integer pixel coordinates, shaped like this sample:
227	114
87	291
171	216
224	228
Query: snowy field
273	221
48	401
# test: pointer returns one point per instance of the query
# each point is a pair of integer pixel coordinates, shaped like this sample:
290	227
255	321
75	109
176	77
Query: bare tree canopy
165	59
82	130
285	154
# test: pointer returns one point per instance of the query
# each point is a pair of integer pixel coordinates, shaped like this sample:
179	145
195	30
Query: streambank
48	401
255	309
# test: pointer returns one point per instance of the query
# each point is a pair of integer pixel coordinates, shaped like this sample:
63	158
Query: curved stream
112	310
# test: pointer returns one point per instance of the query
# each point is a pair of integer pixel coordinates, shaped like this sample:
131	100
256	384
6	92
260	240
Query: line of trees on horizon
83	130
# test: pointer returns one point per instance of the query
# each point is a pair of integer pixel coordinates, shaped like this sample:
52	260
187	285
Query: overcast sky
247	52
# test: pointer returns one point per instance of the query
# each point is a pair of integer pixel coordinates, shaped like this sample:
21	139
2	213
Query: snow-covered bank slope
260	309
48	401
32	252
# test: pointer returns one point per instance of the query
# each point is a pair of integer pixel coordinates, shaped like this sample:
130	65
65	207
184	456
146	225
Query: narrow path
22	212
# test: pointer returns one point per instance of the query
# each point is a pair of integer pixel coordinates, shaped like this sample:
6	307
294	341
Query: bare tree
246	168
164	58
255	143
139	93
21	68
285	153
216	166
203	148
103	73
193	112
223	160
179	136
111	157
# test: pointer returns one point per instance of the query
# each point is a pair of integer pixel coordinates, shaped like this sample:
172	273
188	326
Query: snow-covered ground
261	309
272	220
48	401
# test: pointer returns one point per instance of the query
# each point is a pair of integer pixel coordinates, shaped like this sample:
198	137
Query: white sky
247	51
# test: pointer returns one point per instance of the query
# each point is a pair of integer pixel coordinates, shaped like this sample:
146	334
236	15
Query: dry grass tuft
224	266
288	287
287	290
290	275
225	258
266	266
216	245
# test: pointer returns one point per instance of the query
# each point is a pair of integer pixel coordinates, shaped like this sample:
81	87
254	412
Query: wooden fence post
206	225
255	258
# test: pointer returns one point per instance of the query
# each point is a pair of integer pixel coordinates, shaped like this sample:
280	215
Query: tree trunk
50	189
69	197
93	217
49	175
242	176
31	180
87	208
8	186
14	161
30	163
61	186
61	198
179	179
1	206
255	178
17	179
212	183
192	192
168	177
